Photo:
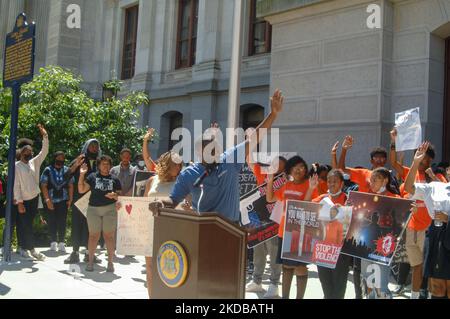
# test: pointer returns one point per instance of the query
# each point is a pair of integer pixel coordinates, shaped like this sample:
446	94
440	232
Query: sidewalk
52	279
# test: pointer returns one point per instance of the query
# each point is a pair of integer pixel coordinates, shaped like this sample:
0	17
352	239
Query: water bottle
438	210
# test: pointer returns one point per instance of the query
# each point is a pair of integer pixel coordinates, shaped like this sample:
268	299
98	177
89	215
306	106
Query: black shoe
74	258
398	290
96	259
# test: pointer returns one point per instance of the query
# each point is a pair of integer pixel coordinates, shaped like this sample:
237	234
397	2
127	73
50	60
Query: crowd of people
427	238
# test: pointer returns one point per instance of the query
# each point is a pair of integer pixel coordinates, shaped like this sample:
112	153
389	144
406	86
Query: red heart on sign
128	208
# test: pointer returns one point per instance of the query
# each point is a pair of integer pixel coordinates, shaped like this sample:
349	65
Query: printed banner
140	180
256	213
378	222
247	180
134	227
314	232
83	203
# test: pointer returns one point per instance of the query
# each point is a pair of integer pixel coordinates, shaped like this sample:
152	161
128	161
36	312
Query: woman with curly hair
158	187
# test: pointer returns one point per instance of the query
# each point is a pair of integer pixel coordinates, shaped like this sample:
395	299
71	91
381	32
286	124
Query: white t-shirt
436	196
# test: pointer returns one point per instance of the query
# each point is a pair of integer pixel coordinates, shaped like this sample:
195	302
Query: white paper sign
83	203
135	227
409	130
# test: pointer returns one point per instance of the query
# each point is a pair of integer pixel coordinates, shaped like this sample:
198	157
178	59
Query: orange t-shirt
260	176
293	191
361	176
421	220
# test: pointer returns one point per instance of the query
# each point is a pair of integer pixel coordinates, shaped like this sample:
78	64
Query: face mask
141	163
335	194
59	163
28	157
92	156
381	190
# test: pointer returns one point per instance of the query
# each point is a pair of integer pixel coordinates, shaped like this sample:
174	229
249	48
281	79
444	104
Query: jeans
14	222
334	281
26	223
260	252
57	219
378	279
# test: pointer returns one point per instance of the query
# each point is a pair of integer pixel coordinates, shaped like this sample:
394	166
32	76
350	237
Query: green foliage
55	99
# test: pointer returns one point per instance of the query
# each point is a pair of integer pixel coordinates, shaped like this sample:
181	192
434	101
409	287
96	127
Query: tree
55	99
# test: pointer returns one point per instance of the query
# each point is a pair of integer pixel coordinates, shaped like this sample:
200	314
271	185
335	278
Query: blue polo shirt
220	191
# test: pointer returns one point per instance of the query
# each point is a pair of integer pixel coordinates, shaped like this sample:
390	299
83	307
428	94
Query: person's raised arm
276	104
411	177
395	164
313	184
346	145
334	149
270	195
45	144
83	187
149	163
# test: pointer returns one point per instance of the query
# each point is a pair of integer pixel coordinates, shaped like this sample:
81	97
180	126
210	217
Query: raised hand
42	130
348	142
80	160
421	151
84	169
276	101
149	135
314	181
335	148
393	135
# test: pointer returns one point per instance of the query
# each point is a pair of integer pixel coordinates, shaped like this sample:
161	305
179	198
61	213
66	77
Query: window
175	121
260	33
129	42
187	33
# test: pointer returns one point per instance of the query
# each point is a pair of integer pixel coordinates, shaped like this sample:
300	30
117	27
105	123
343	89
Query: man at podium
214	184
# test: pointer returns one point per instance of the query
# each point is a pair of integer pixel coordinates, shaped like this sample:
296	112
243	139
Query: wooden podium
215	252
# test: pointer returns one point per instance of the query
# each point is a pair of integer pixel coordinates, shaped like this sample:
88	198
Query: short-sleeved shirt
100	186
361	176
219	192
436	196
292	191
125	176
58	182
421	220
260	176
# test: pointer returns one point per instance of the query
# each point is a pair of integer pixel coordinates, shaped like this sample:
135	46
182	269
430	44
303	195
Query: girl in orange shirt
302	188
334	281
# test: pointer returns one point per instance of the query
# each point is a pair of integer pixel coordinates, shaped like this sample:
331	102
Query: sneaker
38	256
90	267
423	294
398	290
254	287
74	258
53	246
272	292
62	247
110	267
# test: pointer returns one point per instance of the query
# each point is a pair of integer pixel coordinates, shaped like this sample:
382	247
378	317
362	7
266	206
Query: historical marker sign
19	53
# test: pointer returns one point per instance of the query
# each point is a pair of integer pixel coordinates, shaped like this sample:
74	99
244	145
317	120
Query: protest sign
256	213
140	180
378	223
83	203
409	130
134	227
314	235
247	180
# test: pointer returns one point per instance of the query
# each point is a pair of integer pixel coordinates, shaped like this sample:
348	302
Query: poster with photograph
314	232
378	222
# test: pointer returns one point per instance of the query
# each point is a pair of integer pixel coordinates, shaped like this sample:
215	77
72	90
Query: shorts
415	243
102	218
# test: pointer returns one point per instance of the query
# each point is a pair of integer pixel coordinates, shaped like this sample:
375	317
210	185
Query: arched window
251	115
169	122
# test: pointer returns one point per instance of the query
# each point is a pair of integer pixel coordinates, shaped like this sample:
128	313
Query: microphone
207	171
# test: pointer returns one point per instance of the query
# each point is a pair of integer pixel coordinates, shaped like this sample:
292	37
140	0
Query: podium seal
172	264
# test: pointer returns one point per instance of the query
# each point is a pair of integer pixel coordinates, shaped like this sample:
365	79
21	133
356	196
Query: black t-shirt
100	186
